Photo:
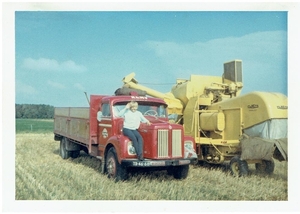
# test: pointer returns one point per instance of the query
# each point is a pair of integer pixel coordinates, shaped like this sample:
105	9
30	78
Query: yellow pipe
174	105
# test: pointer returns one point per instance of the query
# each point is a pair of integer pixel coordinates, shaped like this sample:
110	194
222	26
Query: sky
59	55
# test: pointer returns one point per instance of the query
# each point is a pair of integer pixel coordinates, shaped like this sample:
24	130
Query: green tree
33	111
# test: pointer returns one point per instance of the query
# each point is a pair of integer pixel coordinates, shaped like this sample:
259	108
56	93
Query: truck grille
176	143
163	141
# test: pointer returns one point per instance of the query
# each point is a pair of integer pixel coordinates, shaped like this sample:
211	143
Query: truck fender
115	142
189	138
190	152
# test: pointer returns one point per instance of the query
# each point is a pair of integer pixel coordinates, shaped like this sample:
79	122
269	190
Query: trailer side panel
72	123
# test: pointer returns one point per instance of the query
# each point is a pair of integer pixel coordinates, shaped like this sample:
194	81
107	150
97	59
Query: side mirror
99	115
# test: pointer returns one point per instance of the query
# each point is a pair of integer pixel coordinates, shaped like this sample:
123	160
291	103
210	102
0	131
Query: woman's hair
133	104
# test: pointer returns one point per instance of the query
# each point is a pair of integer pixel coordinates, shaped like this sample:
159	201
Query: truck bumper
154	163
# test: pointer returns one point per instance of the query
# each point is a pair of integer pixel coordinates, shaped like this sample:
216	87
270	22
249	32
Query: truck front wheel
180	172
114	170
62	149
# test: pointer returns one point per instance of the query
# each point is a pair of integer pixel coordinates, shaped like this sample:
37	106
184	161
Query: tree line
33	111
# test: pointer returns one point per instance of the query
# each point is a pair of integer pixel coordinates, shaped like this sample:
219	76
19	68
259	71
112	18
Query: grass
41	174
34	125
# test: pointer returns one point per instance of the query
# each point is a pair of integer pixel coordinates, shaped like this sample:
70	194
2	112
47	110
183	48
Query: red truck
97	130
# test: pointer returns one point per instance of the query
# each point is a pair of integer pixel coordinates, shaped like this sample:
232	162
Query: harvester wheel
267	166
238	167
180	172
62	149
114	170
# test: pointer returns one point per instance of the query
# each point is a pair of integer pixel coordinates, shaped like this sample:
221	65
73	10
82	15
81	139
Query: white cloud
56	84
72	66
43	64
268	48
22	88
79	86
263	54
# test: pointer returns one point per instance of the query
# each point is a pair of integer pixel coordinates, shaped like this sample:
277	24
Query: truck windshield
157	109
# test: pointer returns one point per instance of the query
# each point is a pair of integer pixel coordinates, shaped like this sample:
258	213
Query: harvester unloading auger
227	126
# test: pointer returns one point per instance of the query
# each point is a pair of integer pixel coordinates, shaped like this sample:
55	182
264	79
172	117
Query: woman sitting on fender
132	119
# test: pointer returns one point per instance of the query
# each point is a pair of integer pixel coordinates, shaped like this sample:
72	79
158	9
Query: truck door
104	124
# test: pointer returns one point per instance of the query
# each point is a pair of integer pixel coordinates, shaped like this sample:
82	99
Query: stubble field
41	174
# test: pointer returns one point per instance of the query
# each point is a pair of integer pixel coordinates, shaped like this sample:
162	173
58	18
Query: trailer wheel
114	170
238	167
266	166
62	149
75	154
180	172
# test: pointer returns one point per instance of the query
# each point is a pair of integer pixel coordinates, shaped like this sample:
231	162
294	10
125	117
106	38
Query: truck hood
159	124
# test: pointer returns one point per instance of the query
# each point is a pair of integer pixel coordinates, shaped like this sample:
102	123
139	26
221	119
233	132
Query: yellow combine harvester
227	126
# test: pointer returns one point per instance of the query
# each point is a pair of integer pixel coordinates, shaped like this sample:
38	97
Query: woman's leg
140	144
134	136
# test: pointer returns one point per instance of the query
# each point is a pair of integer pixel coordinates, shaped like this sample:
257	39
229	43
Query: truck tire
181	172
62	149
114	170
267	166
75	154
238	167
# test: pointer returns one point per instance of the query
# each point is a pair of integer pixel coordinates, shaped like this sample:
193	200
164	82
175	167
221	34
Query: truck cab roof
115	99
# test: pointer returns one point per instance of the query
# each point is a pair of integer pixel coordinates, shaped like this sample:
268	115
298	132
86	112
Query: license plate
141	163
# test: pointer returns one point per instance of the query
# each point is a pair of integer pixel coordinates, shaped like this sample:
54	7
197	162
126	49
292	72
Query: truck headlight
188	145
130	148
189	151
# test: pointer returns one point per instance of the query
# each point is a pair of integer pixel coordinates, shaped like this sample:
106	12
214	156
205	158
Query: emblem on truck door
104	133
